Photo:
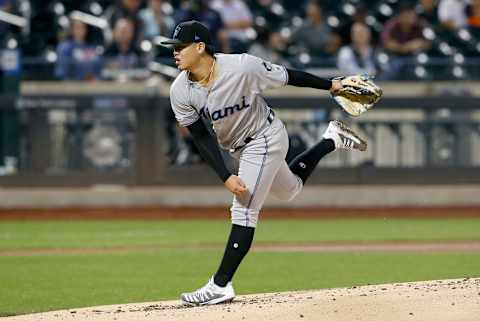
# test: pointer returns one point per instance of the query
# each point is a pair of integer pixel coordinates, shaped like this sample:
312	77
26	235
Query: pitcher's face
186	55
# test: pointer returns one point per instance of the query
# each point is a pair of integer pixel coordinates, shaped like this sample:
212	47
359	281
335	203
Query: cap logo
177	30
197	38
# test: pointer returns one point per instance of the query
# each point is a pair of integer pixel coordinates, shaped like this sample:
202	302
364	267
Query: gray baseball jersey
234	104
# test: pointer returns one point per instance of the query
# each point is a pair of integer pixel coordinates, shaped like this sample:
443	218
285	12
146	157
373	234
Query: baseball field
76	261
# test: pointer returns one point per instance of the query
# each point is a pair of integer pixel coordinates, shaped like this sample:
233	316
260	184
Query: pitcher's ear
201	47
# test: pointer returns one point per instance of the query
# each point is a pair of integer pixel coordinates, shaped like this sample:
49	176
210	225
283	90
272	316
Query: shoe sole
363	143
212	302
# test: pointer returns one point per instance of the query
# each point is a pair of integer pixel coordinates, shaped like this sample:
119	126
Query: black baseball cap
188	32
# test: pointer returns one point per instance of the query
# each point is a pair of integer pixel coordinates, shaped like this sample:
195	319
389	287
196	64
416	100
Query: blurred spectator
199	10
237	19
452	13
269	46
78	59
358	58
315	36
123	53
360	15
474	18
402	36
126	9
156	20
428	11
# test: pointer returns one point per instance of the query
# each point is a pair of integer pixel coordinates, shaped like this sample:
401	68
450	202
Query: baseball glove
359	94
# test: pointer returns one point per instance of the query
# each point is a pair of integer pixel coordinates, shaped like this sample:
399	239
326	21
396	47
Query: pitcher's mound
452	300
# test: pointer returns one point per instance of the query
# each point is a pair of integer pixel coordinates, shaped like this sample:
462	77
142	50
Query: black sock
238	244
304	164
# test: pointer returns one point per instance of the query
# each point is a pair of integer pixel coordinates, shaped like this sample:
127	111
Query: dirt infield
223	213
442	300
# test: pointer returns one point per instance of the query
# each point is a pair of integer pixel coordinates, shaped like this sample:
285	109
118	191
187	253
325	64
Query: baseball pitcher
225	90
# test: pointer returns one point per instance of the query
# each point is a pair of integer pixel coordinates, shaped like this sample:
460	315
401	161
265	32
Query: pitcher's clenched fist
235	185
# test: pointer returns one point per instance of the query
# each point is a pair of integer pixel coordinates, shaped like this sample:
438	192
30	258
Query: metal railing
81	140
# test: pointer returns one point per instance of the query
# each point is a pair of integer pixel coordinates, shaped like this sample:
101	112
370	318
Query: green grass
49	234
49	282
40	283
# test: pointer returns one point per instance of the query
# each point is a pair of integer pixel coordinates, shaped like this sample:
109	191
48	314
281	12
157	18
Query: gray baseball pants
263	168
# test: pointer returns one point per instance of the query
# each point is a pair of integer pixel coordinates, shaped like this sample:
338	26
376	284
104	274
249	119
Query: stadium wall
338	196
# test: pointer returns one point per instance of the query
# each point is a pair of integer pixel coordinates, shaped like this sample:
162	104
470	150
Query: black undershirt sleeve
300	78
209	149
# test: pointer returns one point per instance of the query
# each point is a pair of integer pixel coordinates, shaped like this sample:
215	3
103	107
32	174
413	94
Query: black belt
270	118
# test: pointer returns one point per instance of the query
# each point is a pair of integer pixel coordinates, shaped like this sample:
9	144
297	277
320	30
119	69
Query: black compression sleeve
209	149
300	78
